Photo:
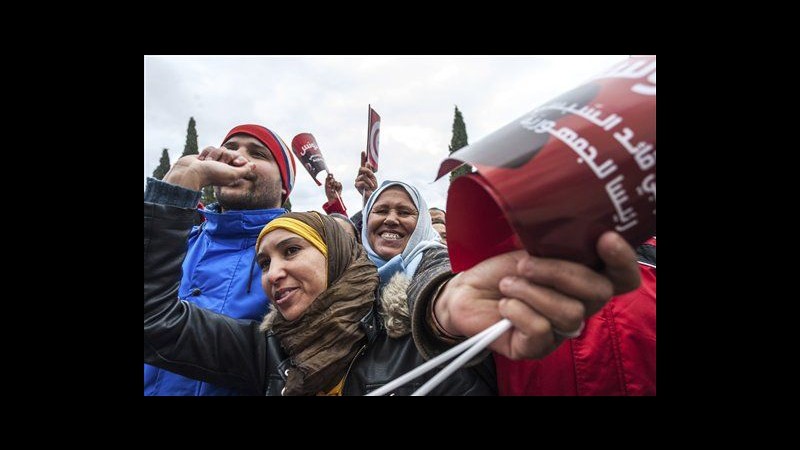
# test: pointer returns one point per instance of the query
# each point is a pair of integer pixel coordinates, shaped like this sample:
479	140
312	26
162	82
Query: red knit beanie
276	146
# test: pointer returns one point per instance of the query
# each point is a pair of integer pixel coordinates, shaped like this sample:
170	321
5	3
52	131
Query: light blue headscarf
423	238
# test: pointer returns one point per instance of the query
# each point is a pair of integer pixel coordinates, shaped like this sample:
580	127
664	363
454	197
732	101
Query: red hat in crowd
276	146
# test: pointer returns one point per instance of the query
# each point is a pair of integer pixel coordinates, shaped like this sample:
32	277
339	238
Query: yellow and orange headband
297	227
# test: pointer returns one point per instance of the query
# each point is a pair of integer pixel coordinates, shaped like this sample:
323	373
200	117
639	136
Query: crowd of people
260	301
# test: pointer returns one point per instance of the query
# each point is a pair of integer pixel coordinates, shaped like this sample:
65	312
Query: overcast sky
327	96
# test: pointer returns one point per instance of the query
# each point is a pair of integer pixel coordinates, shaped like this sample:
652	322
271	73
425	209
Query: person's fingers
571	279
215	173
223	155
532	335
524	319
205	152
363	159
620	262
470	317
232	157
366	179
367	172
213	154
337	187
366	176
565	313
245	170
239	161
241	172
485	276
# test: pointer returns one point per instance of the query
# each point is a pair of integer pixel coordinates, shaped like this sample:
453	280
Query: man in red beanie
219	272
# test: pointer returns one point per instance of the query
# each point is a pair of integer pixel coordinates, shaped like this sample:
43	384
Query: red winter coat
615	355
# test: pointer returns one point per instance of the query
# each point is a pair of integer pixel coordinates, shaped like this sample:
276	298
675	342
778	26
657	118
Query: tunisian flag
373	135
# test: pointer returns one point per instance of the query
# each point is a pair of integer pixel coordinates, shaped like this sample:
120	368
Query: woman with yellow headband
324	335
321	288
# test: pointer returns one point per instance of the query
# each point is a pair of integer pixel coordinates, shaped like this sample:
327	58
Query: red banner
373	135
307	151
556	178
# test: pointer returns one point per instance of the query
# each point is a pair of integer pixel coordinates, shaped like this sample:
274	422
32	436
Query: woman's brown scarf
323	341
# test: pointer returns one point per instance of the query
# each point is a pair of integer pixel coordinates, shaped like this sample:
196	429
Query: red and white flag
373	135
307	150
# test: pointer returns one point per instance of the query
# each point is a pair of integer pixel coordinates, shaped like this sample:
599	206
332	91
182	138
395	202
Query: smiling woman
393	219
322	287
290	260
398	229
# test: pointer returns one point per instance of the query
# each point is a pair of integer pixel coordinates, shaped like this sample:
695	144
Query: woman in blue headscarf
399	229
545	299
398	236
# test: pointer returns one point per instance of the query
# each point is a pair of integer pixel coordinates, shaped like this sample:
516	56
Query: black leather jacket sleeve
182	337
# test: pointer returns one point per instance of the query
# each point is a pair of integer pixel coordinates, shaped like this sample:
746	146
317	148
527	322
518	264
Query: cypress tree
191	139
163	166
458	141
190	148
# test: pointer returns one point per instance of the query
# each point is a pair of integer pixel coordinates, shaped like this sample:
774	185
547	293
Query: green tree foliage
191	139
163	166
191	149
458	141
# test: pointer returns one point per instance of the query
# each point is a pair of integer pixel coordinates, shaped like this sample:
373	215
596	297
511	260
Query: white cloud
328	97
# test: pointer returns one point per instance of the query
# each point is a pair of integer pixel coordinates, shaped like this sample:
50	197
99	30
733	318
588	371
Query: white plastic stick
430	364
494	332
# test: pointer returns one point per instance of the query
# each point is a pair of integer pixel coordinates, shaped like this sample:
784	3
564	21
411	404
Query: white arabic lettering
625	217
586	152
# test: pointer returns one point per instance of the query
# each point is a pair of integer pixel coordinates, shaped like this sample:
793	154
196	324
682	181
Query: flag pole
369	118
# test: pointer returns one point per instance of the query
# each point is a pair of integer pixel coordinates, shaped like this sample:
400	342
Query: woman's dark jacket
186	339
